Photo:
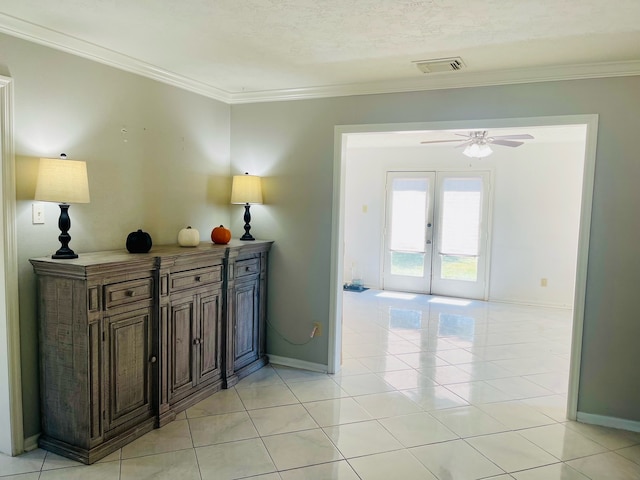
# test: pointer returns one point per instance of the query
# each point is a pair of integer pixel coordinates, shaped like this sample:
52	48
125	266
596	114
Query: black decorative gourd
139	242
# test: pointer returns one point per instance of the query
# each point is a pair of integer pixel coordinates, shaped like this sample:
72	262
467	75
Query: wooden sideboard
129	340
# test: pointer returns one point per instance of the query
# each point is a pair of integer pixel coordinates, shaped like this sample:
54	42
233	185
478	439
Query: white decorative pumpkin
188	237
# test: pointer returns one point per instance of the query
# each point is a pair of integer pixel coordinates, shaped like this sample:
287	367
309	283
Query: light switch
365	208
37	213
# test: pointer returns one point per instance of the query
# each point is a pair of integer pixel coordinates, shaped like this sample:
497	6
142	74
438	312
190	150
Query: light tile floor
431	388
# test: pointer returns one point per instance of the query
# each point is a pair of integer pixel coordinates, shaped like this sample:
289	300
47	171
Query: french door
435	238
408	231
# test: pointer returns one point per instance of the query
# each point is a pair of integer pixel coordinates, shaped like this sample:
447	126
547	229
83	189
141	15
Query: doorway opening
343	140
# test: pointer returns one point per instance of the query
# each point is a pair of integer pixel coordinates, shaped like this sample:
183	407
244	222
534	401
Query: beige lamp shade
246	189
62	181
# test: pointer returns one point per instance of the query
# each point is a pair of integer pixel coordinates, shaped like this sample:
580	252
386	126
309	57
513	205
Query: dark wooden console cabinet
129	340
246	306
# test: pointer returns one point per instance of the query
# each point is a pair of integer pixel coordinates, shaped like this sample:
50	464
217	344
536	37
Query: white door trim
337	234
11	438
580	292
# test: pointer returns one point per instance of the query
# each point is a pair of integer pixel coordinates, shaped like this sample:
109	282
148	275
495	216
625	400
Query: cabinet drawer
116	294
195	278
247	267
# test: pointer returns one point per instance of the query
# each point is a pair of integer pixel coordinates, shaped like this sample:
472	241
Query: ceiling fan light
485	151
477	150
471	150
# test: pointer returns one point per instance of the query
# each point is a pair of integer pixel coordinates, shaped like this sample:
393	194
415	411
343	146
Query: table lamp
246	189
63	181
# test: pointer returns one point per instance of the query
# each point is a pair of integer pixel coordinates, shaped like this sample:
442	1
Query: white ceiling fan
477	142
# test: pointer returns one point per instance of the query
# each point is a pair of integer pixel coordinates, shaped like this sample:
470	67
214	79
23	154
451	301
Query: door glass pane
460	228
456	267
408	214
407	263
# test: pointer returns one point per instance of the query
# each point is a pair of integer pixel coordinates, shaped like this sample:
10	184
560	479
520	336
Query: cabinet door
181	346
209	342
128	363
247	334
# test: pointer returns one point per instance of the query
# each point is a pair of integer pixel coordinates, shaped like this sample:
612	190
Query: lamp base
64	223
64	254
247	226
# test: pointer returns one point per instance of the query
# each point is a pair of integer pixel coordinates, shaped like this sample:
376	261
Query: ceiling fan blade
507	143
522	136
442	141
464	144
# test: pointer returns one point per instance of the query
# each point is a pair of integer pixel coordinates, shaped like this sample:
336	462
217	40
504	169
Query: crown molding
463	79
449	80
75	46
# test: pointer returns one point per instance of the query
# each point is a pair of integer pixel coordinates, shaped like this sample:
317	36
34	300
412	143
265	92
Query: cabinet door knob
131	293
196	341
153	359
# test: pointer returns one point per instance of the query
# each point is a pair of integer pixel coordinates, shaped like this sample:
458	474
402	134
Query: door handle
428	242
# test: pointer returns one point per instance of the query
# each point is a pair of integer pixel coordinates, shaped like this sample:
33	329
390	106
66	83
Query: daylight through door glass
408	217
460	228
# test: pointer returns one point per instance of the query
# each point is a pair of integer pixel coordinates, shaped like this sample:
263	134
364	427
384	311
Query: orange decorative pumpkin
220	235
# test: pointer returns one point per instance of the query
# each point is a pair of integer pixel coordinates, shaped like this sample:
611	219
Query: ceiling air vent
440	65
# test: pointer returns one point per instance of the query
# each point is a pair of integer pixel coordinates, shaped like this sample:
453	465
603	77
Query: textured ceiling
244	46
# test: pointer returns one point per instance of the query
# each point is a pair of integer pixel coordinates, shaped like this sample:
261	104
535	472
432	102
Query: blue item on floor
350	287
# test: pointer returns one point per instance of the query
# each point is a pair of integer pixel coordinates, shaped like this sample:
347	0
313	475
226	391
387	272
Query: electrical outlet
37	213
317	329
543	282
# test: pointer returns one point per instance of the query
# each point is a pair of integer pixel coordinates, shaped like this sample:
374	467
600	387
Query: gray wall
170	169
294	141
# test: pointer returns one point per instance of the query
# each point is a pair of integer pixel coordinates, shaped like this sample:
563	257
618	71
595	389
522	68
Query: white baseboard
532	303
31	443
295	363
612	422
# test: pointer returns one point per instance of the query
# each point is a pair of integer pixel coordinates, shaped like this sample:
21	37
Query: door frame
11	438
338	214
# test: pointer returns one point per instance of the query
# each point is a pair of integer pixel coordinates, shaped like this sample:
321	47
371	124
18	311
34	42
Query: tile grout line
193	445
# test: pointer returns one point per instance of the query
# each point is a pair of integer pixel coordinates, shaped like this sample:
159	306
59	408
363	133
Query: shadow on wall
28	169
219	190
